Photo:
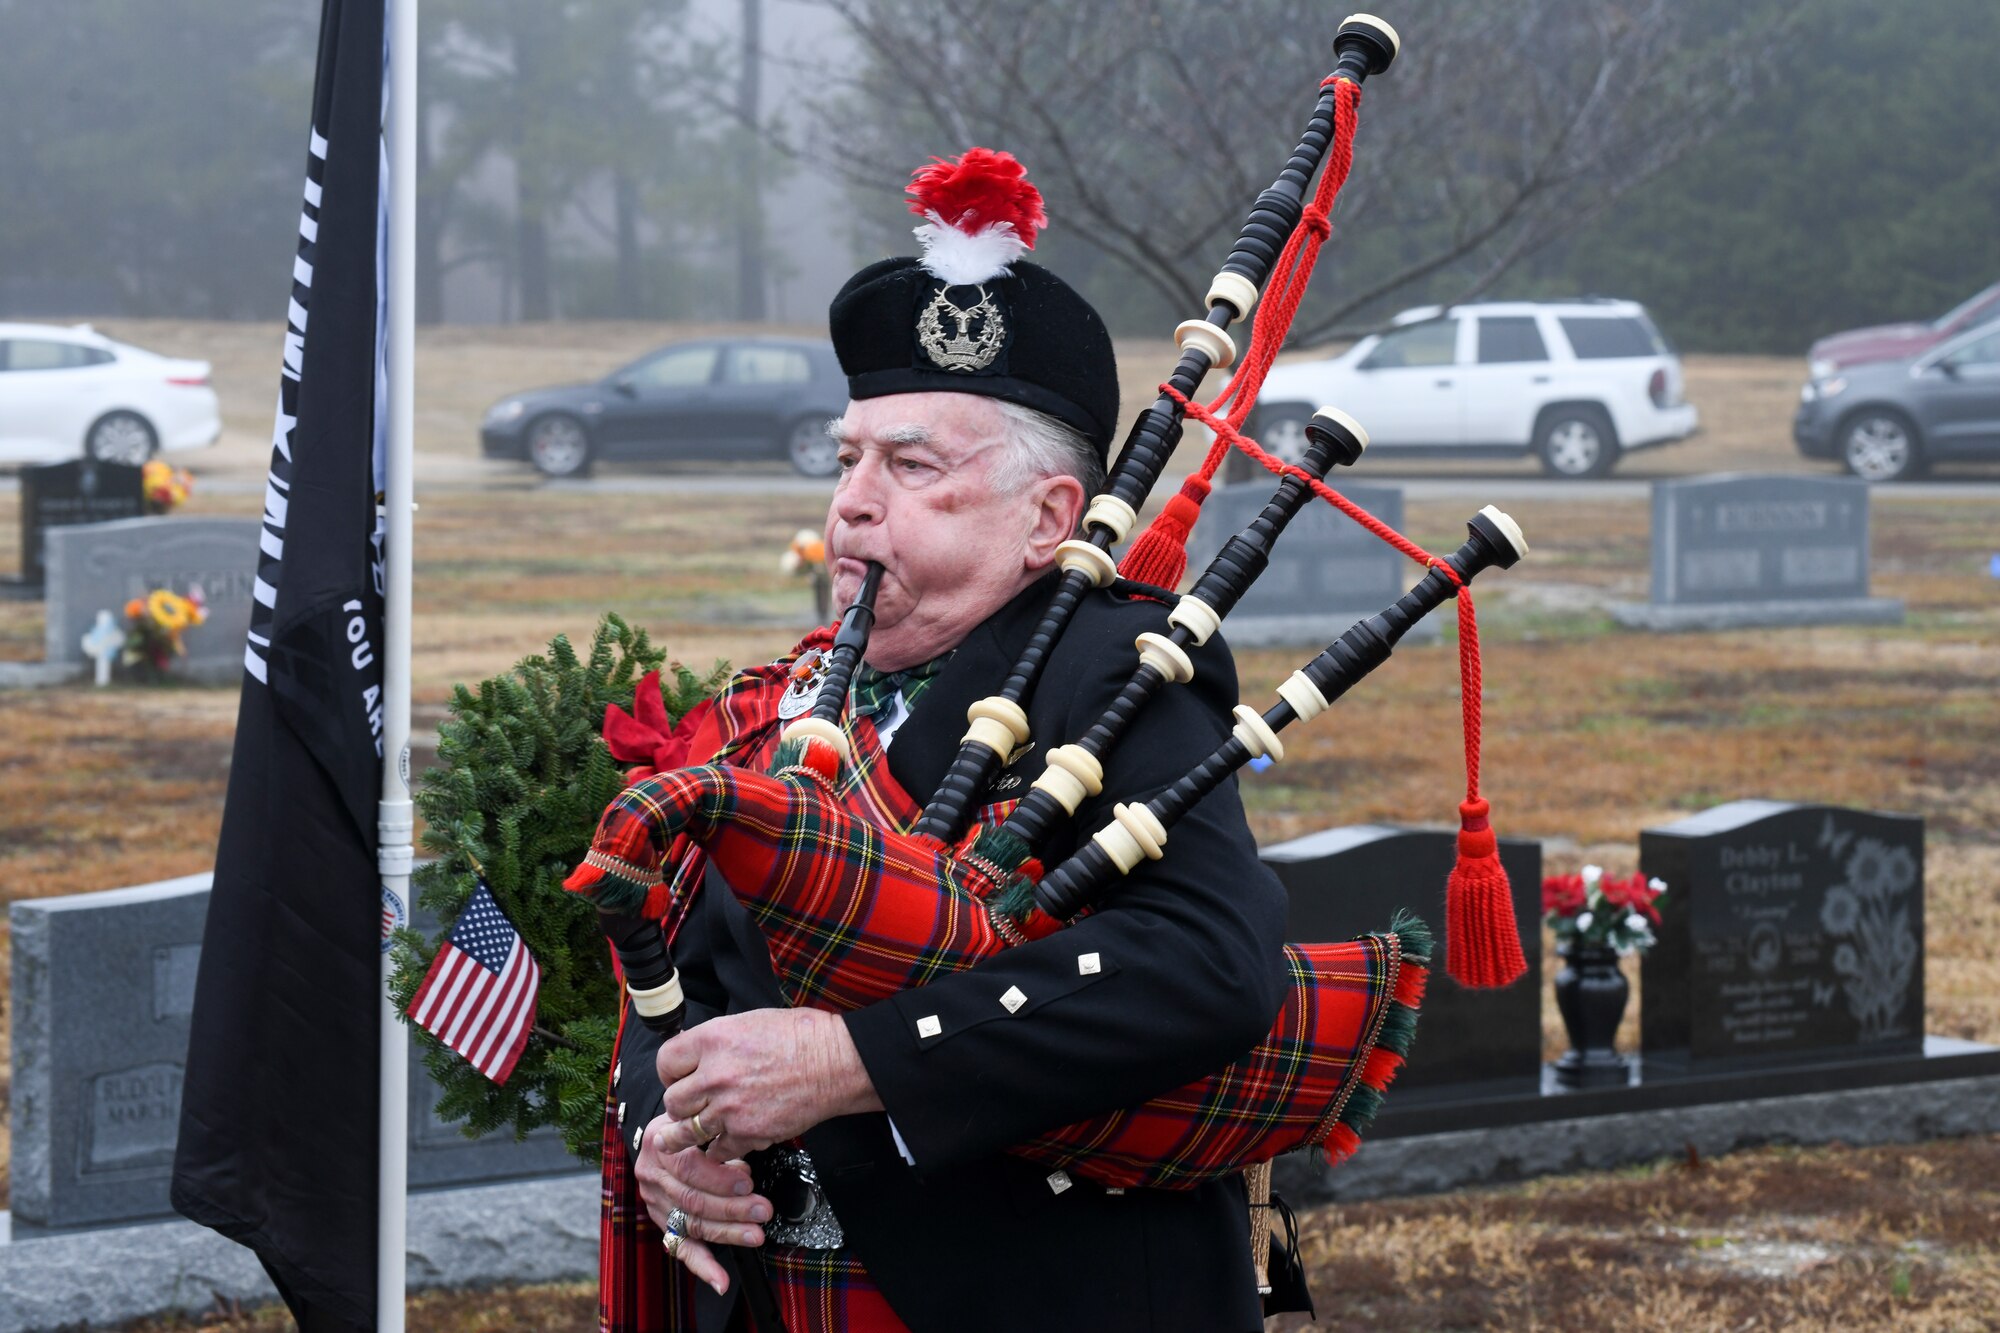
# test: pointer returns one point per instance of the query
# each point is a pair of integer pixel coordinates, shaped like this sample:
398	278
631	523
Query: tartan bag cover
639	1290
855	912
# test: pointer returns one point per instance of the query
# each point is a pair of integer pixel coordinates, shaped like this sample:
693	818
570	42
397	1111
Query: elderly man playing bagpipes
948	1029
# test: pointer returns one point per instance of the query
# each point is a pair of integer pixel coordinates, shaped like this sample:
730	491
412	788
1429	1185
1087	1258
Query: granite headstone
55	495
103	987
105	565
1751	550
1347	881
1326	571
1789	932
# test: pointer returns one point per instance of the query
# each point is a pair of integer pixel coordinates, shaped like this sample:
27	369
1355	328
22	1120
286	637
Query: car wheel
559	446
121	437
811	449
1879	445
1577	442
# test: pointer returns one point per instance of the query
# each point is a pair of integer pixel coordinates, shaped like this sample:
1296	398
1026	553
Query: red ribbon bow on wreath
645	737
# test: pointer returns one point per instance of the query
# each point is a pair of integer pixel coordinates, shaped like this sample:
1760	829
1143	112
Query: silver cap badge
963	349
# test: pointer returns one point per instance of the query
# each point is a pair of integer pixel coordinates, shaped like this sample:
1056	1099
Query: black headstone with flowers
83	490
1345	881
1788	932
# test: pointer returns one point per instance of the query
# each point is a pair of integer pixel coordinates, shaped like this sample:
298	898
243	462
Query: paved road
453	474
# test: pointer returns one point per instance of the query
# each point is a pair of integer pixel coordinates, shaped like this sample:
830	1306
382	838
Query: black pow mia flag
278	1129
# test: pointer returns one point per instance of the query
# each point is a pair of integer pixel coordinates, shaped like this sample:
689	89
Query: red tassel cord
1159	556
1482	940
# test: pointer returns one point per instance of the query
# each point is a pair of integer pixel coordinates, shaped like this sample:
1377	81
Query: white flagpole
394	820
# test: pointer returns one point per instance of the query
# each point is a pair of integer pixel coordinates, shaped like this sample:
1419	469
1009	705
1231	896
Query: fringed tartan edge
1410	944
1005	852
622	886
809	758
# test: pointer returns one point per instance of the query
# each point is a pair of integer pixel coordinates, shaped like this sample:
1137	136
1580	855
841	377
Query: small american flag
479	996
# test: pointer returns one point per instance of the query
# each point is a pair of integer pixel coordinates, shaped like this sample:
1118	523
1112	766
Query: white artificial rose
1635	922
1583	920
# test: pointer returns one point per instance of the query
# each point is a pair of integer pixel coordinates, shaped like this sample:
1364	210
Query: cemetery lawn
1592	733
1775	1238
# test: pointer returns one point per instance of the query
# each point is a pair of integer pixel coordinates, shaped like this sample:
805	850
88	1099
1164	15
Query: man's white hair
1041	446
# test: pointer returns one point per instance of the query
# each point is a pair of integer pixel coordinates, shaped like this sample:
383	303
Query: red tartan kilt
854	914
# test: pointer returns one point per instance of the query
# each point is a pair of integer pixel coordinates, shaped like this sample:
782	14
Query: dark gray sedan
724	399
1892	419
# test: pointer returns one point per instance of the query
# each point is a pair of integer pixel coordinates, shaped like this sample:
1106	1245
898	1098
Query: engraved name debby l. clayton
1792	930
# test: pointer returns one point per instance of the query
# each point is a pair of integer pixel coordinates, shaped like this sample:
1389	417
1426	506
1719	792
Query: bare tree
1152	124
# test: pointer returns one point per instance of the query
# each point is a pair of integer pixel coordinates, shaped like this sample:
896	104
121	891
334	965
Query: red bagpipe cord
854	913
1482	939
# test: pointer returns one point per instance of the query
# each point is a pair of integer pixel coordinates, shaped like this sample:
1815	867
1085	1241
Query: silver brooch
802	688
962	349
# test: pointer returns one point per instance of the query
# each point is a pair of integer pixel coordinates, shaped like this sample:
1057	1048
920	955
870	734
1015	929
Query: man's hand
715	1195
758	1078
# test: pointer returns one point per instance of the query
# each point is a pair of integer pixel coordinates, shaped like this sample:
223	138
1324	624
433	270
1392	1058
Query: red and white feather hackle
981	213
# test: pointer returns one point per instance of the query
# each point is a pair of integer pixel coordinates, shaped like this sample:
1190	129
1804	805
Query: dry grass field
1592	734
1799	1240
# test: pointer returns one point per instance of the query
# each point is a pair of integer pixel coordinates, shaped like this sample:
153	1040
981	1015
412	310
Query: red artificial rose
1563	895
1632	894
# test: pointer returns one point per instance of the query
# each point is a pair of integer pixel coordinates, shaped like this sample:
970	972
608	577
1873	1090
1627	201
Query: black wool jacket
1190	976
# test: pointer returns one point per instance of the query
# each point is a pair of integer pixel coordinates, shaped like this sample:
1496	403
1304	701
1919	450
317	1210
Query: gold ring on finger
702	1136
673	1242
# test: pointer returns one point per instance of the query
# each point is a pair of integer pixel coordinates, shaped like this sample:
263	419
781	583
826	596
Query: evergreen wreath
523	775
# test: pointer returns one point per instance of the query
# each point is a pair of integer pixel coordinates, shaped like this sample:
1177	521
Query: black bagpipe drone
873	911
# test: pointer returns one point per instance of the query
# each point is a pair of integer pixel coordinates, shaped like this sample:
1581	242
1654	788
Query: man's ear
1058	510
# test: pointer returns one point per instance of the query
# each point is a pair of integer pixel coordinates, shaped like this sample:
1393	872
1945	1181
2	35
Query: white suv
1574	382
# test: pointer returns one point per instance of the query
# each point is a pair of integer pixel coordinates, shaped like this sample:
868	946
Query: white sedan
70	391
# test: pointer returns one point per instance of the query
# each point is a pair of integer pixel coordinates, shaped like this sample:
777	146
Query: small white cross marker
928	1026
1088	965
1013	1000
104	642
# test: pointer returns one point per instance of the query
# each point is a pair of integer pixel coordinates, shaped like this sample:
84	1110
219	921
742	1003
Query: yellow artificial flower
168	610
166	486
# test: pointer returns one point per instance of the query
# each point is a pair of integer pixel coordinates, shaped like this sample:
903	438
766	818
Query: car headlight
505	411
1808	391
1821	369
1834	387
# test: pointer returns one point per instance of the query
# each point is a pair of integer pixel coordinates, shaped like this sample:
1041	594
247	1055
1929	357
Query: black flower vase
1591	994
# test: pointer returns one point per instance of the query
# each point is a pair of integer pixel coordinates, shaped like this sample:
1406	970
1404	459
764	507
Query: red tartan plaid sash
855	912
